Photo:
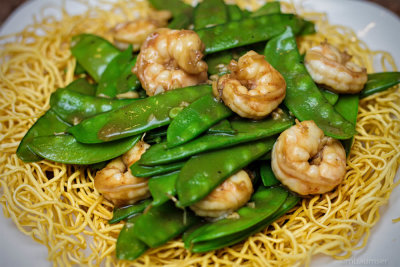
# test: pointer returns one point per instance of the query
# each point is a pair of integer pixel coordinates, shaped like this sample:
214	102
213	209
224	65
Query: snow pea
268	8
303	97
247	31
181	21
79	70
246	131
196	119
181	12
378	82
50	123
73	107
218	62
168	221
137	117
331	97
308	28
347	106
118	77
162	188
225	241
145	171
266	156
267	175
82	86
47	124
128	246
203	173
65	149
266	202
126	212
234	12
209	13
176	7
222	127
93	53
156	136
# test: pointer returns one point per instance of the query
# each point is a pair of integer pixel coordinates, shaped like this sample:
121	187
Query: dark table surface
8	6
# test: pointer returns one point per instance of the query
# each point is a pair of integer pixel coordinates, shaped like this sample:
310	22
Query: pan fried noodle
57	205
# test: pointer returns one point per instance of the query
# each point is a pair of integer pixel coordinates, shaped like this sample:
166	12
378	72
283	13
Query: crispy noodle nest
58	207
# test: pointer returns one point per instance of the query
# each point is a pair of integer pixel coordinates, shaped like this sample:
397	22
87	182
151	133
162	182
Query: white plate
379	28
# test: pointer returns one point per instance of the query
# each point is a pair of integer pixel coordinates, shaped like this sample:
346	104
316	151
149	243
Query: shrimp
329	66
170	59
233	193
306	161
116	181
253	88
135	32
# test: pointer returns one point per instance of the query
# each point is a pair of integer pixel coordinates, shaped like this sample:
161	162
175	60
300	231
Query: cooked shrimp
329	66
135	32
116	181
306	161
170	59
253	88
227	197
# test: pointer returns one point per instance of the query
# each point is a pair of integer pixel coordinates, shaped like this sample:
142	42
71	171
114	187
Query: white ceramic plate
379	28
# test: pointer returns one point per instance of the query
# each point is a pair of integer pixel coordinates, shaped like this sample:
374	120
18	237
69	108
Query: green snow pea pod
347	106
189	231
145	171
181	12
268	8
378	82
176	7
162	188
225	241
93	53
331	97
163	223
267	175
126	212
218	62
118	77
181	21
303	97
246	131
79	69
266	156
48	124
234	12
156	136
247	31
66	149
222	127
266	202
203	173
73	107
137	117
308	28
195	119
128	246
82	86
209	13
